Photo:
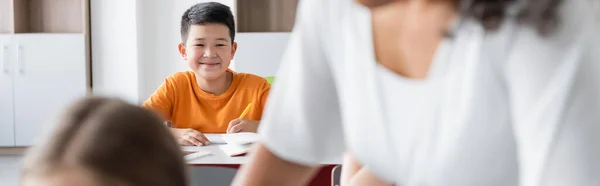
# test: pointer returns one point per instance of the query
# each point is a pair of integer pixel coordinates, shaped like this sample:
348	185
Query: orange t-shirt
180	100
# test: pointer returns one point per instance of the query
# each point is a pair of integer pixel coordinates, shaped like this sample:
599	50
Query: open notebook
191	155
235	149
235	144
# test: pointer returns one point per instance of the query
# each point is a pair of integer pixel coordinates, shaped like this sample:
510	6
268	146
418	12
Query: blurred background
55	51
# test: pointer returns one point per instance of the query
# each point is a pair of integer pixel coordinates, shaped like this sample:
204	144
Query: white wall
114	48
260	53
134	46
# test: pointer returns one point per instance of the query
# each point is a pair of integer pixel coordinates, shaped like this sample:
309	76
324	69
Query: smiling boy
211	97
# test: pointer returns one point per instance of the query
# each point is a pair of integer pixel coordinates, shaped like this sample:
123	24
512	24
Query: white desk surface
217	156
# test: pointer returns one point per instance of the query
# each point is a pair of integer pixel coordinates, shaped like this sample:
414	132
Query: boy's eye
201	45
219	45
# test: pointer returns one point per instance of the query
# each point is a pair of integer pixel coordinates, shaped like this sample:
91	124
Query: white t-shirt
497	108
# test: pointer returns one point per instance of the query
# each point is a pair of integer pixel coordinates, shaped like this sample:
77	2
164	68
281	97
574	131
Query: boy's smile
210	65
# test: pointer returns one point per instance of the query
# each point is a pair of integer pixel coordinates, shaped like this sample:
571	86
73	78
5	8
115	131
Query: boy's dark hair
203	13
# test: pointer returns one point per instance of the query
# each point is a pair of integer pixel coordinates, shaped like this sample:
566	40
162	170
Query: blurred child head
207	39
101	142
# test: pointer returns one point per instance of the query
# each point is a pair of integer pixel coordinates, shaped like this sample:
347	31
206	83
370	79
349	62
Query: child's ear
182	51
233	49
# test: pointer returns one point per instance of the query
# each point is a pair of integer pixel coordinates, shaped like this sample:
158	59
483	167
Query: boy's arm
243	125
264	95
162	100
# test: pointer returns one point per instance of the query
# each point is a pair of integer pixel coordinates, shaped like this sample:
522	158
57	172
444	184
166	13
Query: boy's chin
209	75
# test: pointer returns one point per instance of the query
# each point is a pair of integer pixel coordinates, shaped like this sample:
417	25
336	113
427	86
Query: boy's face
208	50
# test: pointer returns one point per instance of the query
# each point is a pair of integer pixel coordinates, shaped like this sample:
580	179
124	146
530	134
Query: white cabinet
44	47
7	127
47	72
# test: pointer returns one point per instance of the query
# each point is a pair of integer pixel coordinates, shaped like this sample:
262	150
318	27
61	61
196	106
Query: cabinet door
7	124
50	75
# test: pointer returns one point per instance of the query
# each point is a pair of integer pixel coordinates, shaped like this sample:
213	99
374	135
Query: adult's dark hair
540	14
204	13
118	143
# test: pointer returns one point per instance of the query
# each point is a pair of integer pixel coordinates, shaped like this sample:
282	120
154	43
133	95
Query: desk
218	158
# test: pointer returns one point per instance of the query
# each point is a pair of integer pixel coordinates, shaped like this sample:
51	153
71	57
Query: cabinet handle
21	63
5	59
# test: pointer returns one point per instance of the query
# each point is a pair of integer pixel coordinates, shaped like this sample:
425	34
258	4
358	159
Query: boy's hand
242	125
189	137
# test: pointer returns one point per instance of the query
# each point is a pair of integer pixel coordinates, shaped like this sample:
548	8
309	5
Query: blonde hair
113	140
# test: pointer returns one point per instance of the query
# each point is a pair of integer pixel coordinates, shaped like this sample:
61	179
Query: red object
323	178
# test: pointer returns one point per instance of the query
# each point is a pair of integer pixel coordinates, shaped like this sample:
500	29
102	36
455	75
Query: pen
246	111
